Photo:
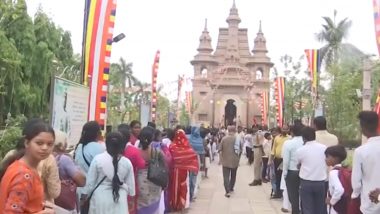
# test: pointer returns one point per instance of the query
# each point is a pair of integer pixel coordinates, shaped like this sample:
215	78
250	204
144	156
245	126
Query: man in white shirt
322	135
248	141
290	162
311	158
366	164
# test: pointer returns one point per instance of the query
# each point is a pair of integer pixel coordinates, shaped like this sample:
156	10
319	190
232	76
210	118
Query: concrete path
245	200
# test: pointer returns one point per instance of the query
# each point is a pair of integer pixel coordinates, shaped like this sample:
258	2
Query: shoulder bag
157	170
86	204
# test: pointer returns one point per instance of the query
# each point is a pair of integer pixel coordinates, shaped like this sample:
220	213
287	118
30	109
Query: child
335	155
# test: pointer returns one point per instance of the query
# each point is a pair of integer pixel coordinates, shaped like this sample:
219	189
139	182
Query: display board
69	108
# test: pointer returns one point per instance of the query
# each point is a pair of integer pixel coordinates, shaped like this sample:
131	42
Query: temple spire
205	41
233	18
260	30
260	46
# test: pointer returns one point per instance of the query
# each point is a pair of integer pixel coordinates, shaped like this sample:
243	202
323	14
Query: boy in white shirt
335	155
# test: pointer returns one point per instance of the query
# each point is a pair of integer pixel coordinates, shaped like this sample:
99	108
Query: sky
174	28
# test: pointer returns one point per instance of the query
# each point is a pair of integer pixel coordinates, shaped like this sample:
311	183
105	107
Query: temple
229	81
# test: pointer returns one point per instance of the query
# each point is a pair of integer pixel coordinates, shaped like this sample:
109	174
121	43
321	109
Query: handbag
86	204
67	197
157	169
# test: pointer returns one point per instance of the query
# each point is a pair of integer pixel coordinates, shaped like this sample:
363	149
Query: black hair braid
115	146
115	180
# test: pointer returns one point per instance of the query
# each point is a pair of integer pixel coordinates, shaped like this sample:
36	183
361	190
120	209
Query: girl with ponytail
114	174
149	194
87	148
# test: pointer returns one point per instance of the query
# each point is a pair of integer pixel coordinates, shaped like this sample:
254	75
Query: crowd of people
132	170
144	170
305	166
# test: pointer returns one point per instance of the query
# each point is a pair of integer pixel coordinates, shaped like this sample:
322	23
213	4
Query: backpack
346	205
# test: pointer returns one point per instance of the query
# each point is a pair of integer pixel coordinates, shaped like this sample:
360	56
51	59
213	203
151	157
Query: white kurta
102	200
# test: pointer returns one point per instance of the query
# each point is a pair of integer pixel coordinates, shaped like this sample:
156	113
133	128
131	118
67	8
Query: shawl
196	140
183	155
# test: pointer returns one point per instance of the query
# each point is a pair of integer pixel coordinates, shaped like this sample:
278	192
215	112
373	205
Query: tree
341	102
332	36
31	53
298	99
121	74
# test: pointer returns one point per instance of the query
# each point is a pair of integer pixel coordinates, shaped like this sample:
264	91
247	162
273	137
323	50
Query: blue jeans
193	183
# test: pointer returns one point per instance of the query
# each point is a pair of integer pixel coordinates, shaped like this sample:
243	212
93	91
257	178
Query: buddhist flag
99	21
264	108
376	10
179	93
154	86
188	95
314	62
279	92
377	108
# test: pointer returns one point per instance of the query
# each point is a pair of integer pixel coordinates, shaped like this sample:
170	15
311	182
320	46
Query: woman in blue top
88	147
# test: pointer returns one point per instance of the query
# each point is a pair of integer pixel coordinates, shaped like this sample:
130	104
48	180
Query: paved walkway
245	200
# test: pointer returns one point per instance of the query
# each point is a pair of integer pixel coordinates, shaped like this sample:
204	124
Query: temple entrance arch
230	113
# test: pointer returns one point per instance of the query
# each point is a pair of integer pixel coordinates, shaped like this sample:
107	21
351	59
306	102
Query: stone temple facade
228	82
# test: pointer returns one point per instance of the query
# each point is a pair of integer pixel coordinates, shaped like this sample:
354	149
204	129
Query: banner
314	62
154	85
179	98
279	93
97	42
376	9
188	95
69	107
264	108
377	107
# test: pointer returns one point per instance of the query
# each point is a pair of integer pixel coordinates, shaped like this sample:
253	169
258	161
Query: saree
184	160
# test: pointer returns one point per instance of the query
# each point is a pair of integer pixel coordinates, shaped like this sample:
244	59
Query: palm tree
332	35
122	74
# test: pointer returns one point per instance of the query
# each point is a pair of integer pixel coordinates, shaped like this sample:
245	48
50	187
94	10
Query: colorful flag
377	107
264	107
154	85
314	62
376	10
188	95
279	92
99	22
180	84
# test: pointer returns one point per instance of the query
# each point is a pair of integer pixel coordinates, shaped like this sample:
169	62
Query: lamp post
122	100
367	91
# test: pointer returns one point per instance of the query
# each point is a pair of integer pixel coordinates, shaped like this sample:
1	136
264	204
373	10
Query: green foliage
341	102
32	50
184	117
297	90
11	134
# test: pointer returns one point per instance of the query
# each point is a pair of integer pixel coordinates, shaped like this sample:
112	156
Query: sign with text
69	108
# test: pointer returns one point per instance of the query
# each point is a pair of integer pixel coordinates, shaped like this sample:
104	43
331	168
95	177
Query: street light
118	37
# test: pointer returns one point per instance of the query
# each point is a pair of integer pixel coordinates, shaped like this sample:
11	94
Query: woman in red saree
184	160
